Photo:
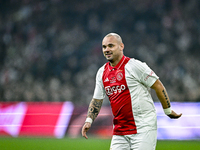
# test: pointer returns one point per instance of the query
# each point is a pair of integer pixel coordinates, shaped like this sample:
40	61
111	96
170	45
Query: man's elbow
157	85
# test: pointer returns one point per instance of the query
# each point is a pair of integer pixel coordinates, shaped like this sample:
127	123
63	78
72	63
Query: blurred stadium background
50	51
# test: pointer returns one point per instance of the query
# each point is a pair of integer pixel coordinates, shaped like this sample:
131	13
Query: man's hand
85	128
173	115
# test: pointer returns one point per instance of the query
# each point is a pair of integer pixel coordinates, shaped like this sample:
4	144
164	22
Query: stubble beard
110	59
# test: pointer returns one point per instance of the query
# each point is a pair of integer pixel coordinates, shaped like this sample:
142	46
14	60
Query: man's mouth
108	54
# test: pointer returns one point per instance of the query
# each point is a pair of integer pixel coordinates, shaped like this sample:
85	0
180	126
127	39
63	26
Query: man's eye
110	45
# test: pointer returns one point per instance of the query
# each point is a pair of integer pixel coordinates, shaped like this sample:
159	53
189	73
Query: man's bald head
117	37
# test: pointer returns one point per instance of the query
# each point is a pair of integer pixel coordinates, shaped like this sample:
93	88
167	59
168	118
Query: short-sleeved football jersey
128	87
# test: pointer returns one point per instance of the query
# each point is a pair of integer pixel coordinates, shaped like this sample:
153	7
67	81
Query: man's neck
114	63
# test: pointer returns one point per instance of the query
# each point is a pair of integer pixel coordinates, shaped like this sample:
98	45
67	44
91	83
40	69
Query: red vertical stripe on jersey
116	88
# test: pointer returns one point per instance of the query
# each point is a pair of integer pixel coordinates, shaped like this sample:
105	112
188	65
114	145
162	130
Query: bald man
127	83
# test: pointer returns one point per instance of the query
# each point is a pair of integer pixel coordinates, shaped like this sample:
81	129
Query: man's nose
107	49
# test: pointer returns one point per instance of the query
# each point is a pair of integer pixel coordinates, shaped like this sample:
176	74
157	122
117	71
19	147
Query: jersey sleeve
143	73
99	92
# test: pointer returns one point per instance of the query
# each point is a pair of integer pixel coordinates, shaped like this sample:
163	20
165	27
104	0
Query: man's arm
164	98
93	111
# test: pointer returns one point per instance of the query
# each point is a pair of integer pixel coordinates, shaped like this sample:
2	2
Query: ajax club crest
119	76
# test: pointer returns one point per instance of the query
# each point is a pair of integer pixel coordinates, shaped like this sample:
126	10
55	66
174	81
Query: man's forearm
161	94
164	98
94	108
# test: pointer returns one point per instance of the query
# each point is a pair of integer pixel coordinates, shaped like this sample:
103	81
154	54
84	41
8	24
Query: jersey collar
118	65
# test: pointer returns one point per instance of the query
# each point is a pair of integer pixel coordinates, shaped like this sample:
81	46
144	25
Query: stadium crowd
50	50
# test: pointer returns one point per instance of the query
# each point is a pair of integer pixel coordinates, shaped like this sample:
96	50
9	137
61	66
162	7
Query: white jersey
128	87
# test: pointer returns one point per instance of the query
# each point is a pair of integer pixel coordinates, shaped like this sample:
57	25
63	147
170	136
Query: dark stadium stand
51	50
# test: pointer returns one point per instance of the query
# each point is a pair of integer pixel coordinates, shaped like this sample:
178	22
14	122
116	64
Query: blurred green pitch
8	143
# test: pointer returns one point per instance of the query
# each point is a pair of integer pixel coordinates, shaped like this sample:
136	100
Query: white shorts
139	141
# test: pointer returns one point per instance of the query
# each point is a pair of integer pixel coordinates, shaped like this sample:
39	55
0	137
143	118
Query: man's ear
121	46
